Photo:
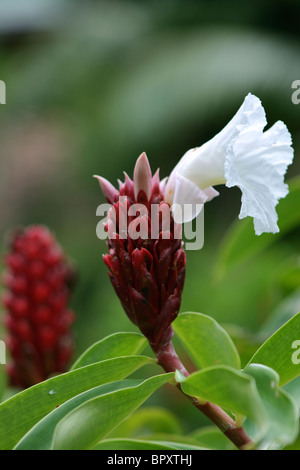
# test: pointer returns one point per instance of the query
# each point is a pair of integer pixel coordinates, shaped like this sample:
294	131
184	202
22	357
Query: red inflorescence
147	274
38	281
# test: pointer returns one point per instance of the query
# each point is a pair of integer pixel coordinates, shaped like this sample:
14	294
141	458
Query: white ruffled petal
240	155
256	162
204	165
188	199
211	193
186	192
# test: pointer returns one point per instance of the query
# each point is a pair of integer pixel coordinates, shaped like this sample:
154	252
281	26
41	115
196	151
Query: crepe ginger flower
38	280
147	273
242	155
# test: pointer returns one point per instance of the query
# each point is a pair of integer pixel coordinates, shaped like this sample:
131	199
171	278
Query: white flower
240	155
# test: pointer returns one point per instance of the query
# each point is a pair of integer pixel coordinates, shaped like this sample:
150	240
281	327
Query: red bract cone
38	320
147	273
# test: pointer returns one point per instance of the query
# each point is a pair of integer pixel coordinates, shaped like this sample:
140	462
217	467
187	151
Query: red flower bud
38	319
147	273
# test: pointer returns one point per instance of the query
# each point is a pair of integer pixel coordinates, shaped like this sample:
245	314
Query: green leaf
175	438
137	444
295	445
293	389
115	345
152	419
131	444
241	243
22	411
281	409
206	341
93	420
278	353
179	376
230	389
272	415
2	382
40	436
213	438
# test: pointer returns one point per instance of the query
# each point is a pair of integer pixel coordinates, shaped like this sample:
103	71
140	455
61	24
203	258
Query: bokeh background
90	85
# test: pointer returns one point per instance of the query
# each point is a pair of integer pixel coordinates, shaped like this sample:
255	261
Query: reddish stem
168	359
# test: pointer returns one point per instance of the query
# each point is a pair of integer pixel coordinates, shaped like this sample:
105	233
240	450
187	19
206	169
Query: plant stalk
169	360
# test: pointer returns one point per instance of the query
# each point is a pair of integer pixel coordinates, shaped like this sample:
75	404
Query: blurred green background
90	85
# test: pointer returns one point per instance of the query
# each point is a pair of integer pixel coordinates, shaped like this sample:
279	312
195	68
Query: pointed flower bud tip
142	176
109	191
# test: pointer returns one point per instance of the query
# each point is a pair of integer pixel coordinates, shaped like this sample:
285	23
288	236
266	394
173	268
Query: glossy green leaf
166	437
151	419
293	389
131	444
22	411
231	389
241	243
206	341
213	438
90	422
282	412
115	345
295	445
137	444
2	382
40	436
156	419
280	351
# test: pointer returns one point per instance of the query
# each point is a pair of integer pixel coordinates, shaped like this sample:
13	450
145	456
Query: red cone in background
38	280
147	274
